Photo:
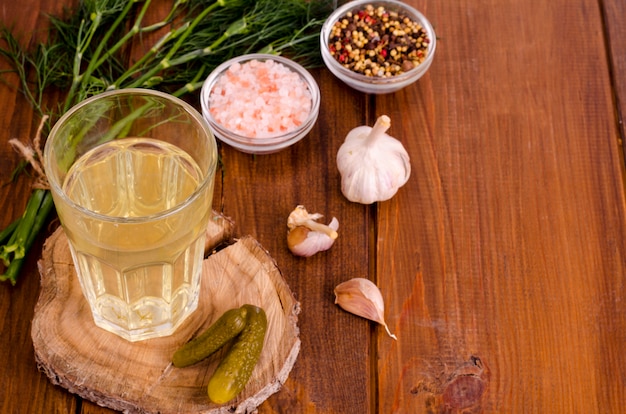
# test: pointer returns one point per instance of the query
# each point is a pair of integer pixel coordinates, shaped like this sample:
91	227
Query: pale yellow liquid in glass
141	277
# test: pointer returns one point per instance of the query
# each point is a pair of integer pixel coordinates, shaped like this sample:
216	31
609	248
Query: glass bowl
376	84
257	106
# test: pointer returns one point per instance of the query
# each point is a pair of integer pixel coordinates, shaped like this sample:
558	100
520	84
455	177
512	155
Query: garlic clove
307	236
362	297
304	242
372	164
300	217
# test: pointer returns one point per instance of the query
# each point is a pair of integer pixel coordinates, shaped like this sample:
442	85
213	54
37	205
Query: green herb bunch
92	49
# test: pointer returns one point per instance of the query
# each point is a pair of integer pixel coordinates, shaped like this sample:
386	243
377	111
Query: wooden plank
259	192
614	13
24	388
502	260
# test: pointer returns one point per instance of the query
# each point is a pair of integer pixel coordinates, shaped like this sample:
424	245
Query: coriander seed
383	36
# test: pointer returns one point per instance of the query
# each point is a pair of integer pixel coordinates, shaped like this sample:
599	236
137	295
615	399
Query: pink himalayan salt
260	99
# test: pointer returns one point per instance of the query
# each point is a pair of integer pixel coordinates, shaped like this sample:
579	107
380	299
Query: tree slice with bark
138	377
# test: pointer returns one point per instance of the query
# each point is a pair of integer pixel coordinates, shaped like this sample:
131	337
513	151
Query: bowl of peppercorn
377	46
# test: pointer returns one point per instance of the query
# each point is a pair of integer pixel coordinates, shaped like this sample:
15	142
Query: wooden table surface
502	261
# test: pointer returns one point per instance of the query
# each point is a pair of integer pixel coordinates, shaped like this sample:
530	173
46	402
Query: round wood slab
138	377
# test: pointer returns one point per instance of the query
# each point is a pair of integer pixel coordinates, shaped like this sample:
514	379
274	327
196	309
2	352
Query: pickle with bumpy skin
234	371
227	327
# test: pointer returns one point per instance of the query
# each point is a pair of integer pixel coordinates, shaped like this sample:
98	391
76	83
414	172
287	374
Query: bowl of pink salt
260	103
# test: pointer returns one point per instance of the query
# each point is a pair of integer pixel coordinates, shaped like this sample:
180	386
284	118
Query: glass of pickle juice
132	174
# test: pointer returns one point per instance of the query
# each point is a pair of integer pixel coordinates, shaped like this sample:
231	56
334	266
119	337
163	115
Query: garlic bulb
373	165
362	297
307	236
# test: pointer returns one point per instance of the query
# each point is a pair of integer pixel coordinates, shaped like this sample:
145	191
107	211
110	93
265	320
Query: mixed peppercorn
377	42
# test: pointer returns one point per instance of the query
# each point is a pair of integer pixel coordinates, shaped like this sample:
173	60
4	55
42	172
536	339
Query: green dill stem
18	58
138	29
69	154
137	67
16	245
12	270
120	128
96	61
43	73
193	84
8	249
236	27
8	231
48	69
298	38
82	45
165	62
43	211
188	88
168	19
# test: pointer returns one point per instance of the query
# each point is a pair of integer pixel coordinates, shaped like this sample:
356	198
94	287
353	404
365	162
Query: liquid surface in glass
139	273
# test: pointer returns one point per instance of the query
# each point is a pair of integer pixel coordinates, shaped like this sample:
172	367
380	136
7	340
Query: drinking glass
132	174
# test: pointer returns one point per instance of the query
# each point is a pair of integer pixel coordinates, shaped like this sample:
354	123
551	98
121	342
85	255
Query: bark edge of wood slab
139	377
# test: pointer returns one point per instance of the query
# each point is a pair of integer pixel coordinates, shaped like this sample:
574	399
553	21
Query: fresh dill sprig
91	49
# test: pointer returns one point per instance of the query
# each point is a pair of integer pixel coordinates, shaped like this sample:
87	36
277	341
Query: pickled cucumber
234	371
227	327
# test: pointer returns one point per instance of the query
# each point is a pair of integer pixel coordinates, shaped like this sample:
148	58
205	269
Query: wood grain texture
139	377
505	251
259	192
25	389
613	12
501	261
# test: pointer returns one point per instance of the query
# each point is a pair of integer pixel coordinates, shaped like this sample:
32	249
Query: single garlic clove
305	242
307	236
362	297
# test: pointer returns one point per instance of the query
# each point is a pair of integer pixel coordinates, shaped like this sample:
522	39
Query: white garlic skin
306	236
314	242
372	164
362	297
